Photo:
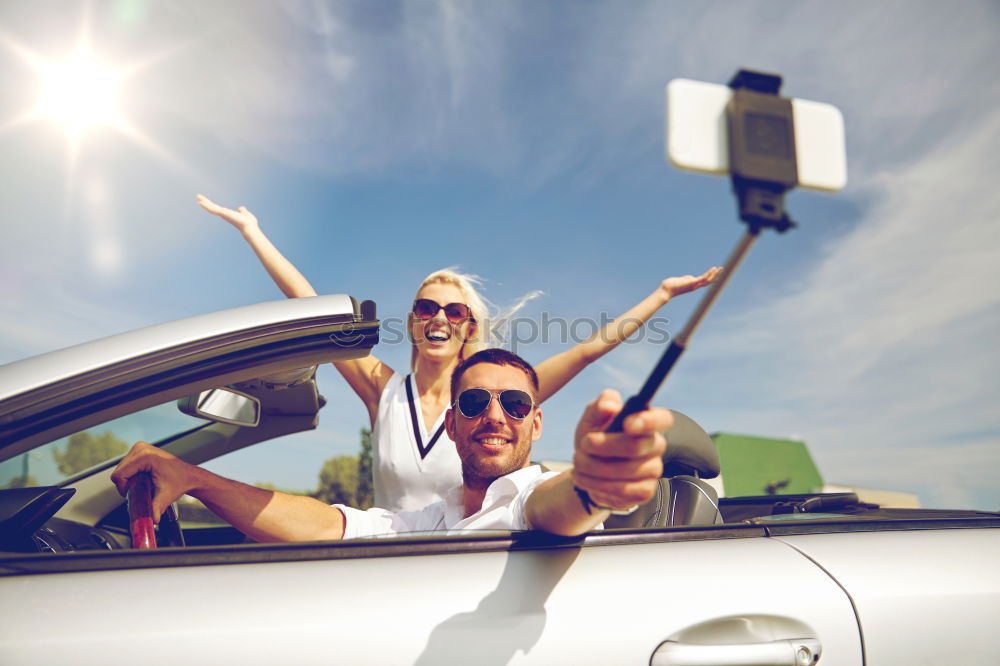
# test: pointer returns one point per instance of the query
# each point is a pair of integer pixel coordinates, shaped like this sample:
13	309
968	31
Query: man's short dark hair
496	356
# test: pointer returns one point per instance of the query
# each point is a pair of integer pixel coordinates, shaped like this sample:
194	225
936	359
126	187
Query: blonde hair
490	320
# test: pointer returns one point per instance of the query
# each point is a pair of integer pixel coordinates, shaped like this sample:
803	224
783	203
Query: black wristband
589	503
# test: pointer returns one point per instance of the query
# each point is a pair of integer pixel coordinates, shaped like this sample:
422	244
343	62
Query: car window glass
330	465
56	461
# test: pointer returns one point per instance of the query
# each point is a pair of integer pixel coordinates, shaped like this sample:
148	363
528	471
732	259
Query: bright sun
80	93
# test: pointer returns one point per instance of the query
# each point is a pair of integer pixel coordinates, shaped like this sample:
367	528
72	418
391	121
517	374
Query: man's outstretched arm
615	470
263	515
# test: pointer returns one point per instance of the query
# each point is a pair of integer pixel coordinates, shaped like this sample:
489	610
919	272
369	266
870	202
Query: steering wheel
139	496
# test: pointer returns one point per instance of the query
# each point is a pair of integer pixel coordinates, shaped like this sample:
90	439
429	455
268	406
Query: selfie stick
763	168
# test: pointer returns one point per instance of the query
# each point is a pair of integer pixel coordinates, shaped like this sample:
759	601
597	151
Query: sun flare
82	93
79	93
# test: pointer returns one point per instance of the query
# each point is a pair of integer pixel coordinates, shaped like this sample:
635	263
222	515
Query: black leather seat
682	497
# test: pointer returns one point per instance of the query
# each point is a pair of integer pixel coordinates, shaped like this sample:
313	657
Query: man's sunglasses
474	401
425	308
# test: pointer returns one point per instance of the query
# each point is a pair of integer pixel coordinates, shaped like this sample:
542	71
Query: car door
926	591
675	596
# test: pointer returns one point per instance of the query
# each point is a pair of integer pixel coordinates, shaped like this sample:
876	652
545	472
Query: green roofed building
762	466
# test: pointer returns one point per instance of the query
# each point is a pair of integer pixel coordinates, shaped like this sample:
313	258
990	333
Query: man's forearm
555	507
267	515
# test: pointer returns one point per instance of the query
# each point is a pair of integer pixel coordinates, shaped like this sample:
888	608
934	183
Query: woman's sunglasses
474	401
425	308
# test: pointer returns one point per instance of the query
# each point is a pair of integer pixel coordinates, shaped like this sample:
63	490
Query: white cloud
942	477
368	88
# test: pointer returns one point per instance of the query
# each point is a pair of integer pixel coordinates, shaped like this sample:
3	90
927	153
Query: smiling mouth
437	334
492	442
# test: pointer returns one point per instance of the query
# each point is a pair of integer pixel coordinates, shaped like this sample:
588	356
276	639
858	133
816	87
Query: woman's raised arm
555	372
367	376
288	278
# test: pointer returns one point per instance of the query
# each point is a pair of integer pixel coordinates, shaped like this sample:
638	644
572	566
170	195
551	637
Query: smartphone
697	134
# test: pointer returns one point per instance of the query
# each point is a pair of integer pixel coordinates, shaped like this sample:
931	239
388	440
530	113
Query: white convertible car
690	579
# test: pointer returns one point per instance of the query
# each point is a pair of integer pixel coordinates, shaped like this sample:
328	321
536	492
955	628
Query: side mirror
224	405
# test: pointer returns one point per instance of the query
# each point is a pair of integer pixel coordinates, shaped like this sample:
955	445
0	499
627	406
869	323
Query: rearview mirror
224	405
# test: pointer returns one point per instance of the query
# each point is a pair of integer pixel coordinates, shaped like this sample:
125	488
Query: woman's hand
675	286
241	218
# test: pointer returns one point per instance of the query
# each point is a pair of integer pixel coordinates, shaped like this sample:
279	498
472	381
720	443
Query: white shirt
412	465
503	509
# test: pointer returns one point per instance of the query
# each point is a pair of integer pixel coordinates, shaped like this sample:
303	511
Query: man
493	420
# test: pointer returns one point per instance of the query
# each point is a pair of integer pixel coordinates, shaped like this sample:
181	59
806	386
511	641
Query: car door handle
789	652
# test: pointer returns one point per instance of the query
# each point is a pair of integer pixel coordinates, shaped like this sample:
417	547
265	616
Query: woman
414	461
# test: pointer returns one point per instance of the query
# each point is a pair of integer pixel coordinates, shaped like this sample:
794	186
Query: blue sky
523	141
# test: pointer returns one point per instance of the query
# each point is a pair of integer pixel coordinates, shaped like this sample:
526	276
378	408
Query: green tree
22	482
84	450
366	486
338	481
348	479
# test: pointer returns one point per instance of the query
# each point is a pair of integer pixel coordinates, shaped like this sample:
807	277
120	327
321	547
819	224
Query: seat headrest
690	450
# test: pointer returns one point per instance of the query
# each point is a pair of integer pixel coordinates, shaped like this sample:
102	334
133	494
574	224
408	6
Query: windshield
56	461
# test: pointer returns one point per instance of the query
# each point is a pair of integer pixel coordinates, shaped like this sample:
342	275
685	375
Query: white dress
412	466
